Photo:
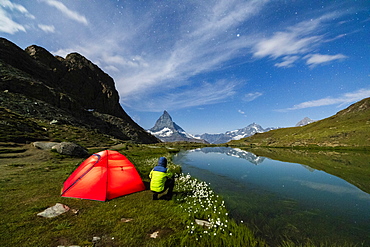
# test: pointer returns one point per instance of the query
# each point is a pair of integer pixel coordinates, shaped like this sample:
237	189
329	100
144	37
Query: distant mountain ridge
234	134
168	131
304	122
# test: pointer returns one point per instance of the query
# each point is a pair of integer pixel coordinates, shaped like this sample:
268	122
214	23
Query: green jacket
158	178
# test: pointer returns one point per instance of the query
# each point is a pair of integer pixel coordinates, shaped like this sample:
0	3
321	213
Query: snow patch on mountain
165	132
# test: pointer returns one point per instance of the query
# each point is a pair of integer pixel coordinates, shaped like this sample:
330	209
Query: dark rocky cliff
36	84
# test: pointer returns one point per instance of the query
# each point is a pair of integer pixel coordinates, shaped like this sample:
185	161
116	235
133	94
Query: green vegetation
28	187
348	129
31	179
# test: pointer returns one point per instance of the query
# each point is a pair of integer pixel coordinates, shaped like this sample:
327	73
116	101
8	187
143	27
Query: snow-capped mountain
168	131
235	134
304	122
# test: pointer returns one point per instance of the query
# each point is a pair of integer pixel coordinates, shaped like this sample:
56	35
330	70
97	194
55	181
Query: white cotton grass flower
201	202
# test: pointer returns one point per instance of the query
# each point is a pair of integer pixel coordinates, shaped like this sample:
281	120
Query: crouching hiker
161	179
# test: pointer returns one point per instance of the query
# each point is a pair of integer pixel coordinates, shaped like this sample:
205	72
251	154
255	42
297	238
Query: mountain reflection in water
293	198
235	152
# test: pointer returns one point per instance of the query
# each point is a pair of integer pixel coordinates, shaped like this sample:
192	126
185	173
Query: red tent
103	176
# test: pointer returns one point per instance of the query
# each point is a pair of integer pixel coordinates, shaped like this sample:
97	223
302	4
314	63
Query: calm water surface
282	199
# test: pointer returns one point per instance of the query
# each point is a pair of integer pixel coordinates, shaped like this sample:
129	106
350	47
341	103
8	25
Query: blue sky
213	65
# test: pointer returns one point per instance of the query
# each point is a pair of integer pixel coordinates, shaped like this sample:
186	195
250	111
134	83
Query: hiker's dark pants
169	184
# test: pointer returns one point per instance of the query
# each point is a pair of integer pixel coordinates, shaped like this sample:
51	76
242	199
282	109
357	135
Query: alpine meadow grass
31	181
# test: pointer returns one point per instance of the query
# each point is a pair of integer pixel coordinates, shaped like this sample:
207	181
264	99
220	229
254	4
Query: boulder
54	211
71	149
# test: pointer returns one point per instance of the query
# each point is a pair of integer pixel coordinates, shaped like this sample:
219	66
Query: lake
282	200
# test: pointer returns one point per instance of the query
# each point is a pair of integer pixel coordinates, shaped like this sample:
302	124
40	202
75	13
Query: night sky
213	65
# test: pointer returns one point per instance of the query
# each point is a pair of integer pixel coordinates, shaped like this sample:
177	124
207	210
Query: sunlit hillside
349	128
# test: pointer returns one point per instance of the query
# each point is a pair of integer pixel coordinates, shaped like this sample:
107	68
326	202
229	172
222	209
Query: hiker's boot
155	196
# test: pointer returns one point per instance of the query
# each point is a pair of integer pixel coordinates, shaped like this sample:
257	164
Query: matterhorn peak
168	131
164	121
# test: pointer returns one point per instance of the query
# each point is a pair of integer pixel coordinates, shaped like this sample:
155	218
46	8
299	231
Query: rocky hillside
42	90
349	128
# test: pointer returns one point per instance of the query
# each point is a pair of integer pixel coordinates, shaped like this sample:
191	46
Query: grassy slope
14	127
349	128
31	179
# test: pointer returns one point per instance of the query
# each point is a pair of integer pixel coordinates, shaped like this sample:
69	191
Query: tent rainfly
103	176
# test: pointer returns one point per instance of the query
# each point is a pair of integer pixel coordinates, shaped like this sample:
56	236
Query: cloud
297	42
241	112
252	96
284	43
167	64
194	47
7	24
343	99
152	56
15	7
73	15
205	94
297	39
315	59
288	61
47	28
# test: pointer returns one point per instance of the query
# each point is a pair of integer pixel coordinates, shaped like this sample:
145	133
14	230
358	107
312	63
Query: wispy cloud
196	47
343	99
152	57
287	62
7	24
297	39
252	96
47	28
73	15
297	42
166	64
204	94
284	43
16	7
315	59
